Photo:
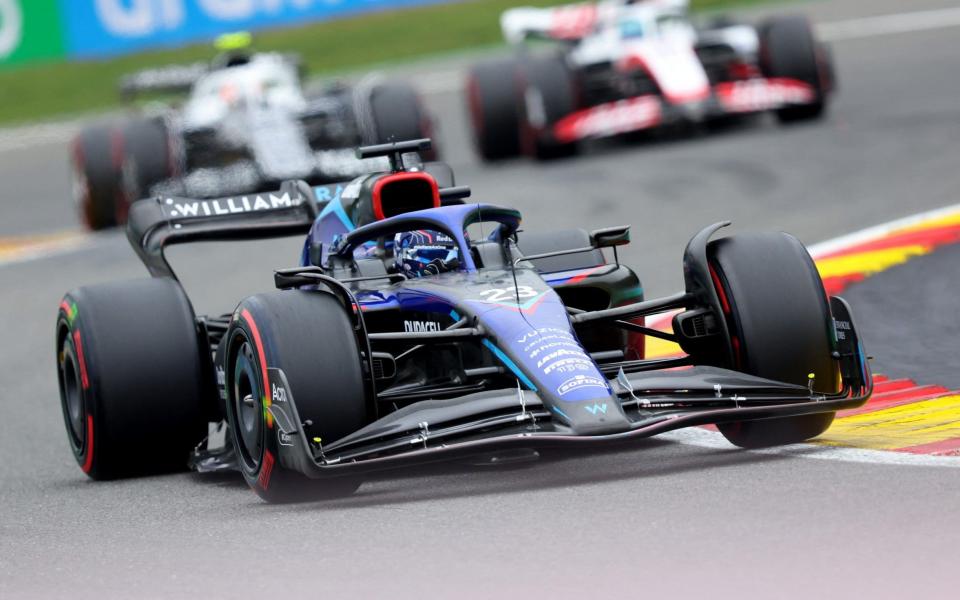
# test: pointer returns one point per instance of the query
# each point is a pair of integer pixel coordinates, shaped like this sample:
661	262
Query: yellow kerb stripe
868	262
913	424
657	348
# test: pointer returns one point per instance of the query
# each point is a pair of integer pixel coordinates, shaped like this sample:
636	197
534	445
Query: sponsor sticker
762	94
608	119
419	326
580	381
176	208
841	328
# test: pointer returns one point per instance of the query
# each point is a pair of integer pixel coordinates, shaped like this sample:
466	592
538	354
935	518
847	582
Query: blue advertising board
96	28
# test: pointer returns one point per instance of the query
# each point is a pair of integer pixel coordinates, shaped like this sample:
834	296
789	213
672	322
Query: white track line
713	440
878	231
26	136
867	27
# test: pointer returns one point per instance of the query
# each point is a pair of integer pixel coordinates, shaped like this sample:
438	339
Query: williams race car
627	65
405	337
246	125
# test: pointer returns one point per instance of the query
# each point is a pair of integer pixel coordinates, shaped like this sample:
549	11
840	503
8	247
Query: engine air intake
398	193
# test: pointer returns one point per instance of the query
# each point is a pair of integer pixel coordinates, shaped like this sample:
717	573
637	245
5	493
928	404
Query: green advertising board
30	30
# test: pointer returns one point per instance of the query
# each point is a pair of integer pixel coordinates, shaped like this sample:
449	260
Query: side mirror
452	196
315	253
609	237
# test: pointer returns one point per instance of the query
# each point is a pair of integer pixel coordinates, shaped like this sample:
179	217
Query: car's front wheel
96	160
779	321
292	364
788	49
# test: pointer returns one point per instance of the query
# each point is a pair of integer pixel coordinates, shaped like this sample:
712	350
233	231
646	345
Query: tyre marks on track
902	416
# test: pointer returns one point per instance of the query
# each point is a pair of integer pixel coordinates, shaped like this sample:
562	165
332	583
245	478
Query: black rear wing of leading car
156	223
171	79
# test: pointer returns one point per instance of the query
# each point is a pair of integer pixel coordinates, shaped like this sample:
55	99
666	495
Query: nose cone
600	416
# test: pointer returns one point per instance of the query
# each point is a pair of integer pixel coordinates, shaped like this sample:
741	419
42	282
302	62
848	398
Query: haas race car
629	65
246	125
405	336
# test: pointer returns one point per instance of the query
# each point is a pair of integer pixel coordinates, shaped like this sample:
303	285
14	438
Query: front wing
486	422
651	111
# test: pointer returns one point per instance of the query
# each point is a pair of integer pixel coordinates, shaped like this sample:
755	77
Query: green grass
38	92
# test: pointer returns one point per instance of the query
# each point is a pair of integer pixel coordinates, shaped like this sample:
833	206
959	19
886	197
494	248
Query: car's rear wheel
131	373
779	320
399	115
148	160
493	100
303	344
789	50
96	158
549	94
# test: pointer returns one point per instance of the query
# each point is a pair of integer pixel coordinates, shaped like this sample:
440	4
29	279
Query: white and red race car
631	65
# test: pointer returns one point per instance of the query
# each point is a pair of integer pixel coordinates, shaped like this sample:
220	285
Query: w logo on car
597	408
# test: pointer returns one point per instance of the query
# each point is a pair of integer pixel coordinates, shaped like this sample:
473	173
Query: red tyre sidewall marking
84	380
725	305
88	452
266	468
258	342
85	383
266	464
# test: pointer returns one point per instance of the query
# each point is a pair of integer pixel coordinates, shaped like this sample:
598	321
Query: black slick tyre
779	322
789	50
398	115
301	342
147	160
493	101
549	94
95	160
131	374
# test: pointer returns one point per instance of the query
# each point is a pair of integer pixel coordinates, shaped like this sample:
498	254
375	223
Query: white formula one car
246	123
631	65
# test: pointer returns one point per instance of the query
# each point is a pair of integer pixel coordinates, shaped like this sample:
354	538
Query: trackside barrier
34	30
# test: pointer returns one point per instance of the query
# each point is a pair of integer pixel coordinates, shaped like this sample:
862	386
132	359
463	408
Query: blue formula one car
407	336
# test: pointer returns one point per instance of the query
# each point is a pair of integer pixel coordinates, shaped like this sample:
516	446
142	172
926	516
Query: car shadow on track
556	470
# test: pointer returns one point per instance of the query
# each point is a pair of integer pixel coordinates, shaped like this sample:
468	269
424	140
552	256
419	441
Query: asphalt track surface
658	518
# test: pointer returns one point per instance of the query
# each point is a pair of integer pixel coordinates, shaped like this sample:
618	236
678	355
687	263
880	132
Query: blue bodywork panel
526	324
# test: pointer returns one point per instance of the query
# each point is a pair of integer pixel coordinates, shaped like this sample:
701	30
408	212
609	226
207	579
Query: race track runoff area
903	415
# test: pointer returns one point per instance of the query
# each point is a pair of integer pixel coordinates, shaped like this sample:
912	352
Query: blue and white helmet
424	252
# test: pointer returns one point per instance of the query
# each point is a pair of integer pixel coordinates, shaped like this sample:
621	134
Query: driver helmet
235	50
424	252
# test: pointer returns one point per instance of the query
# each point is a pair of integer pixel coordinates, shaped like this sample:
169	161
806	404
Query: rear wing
156	223
569	22
173	79
565	23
